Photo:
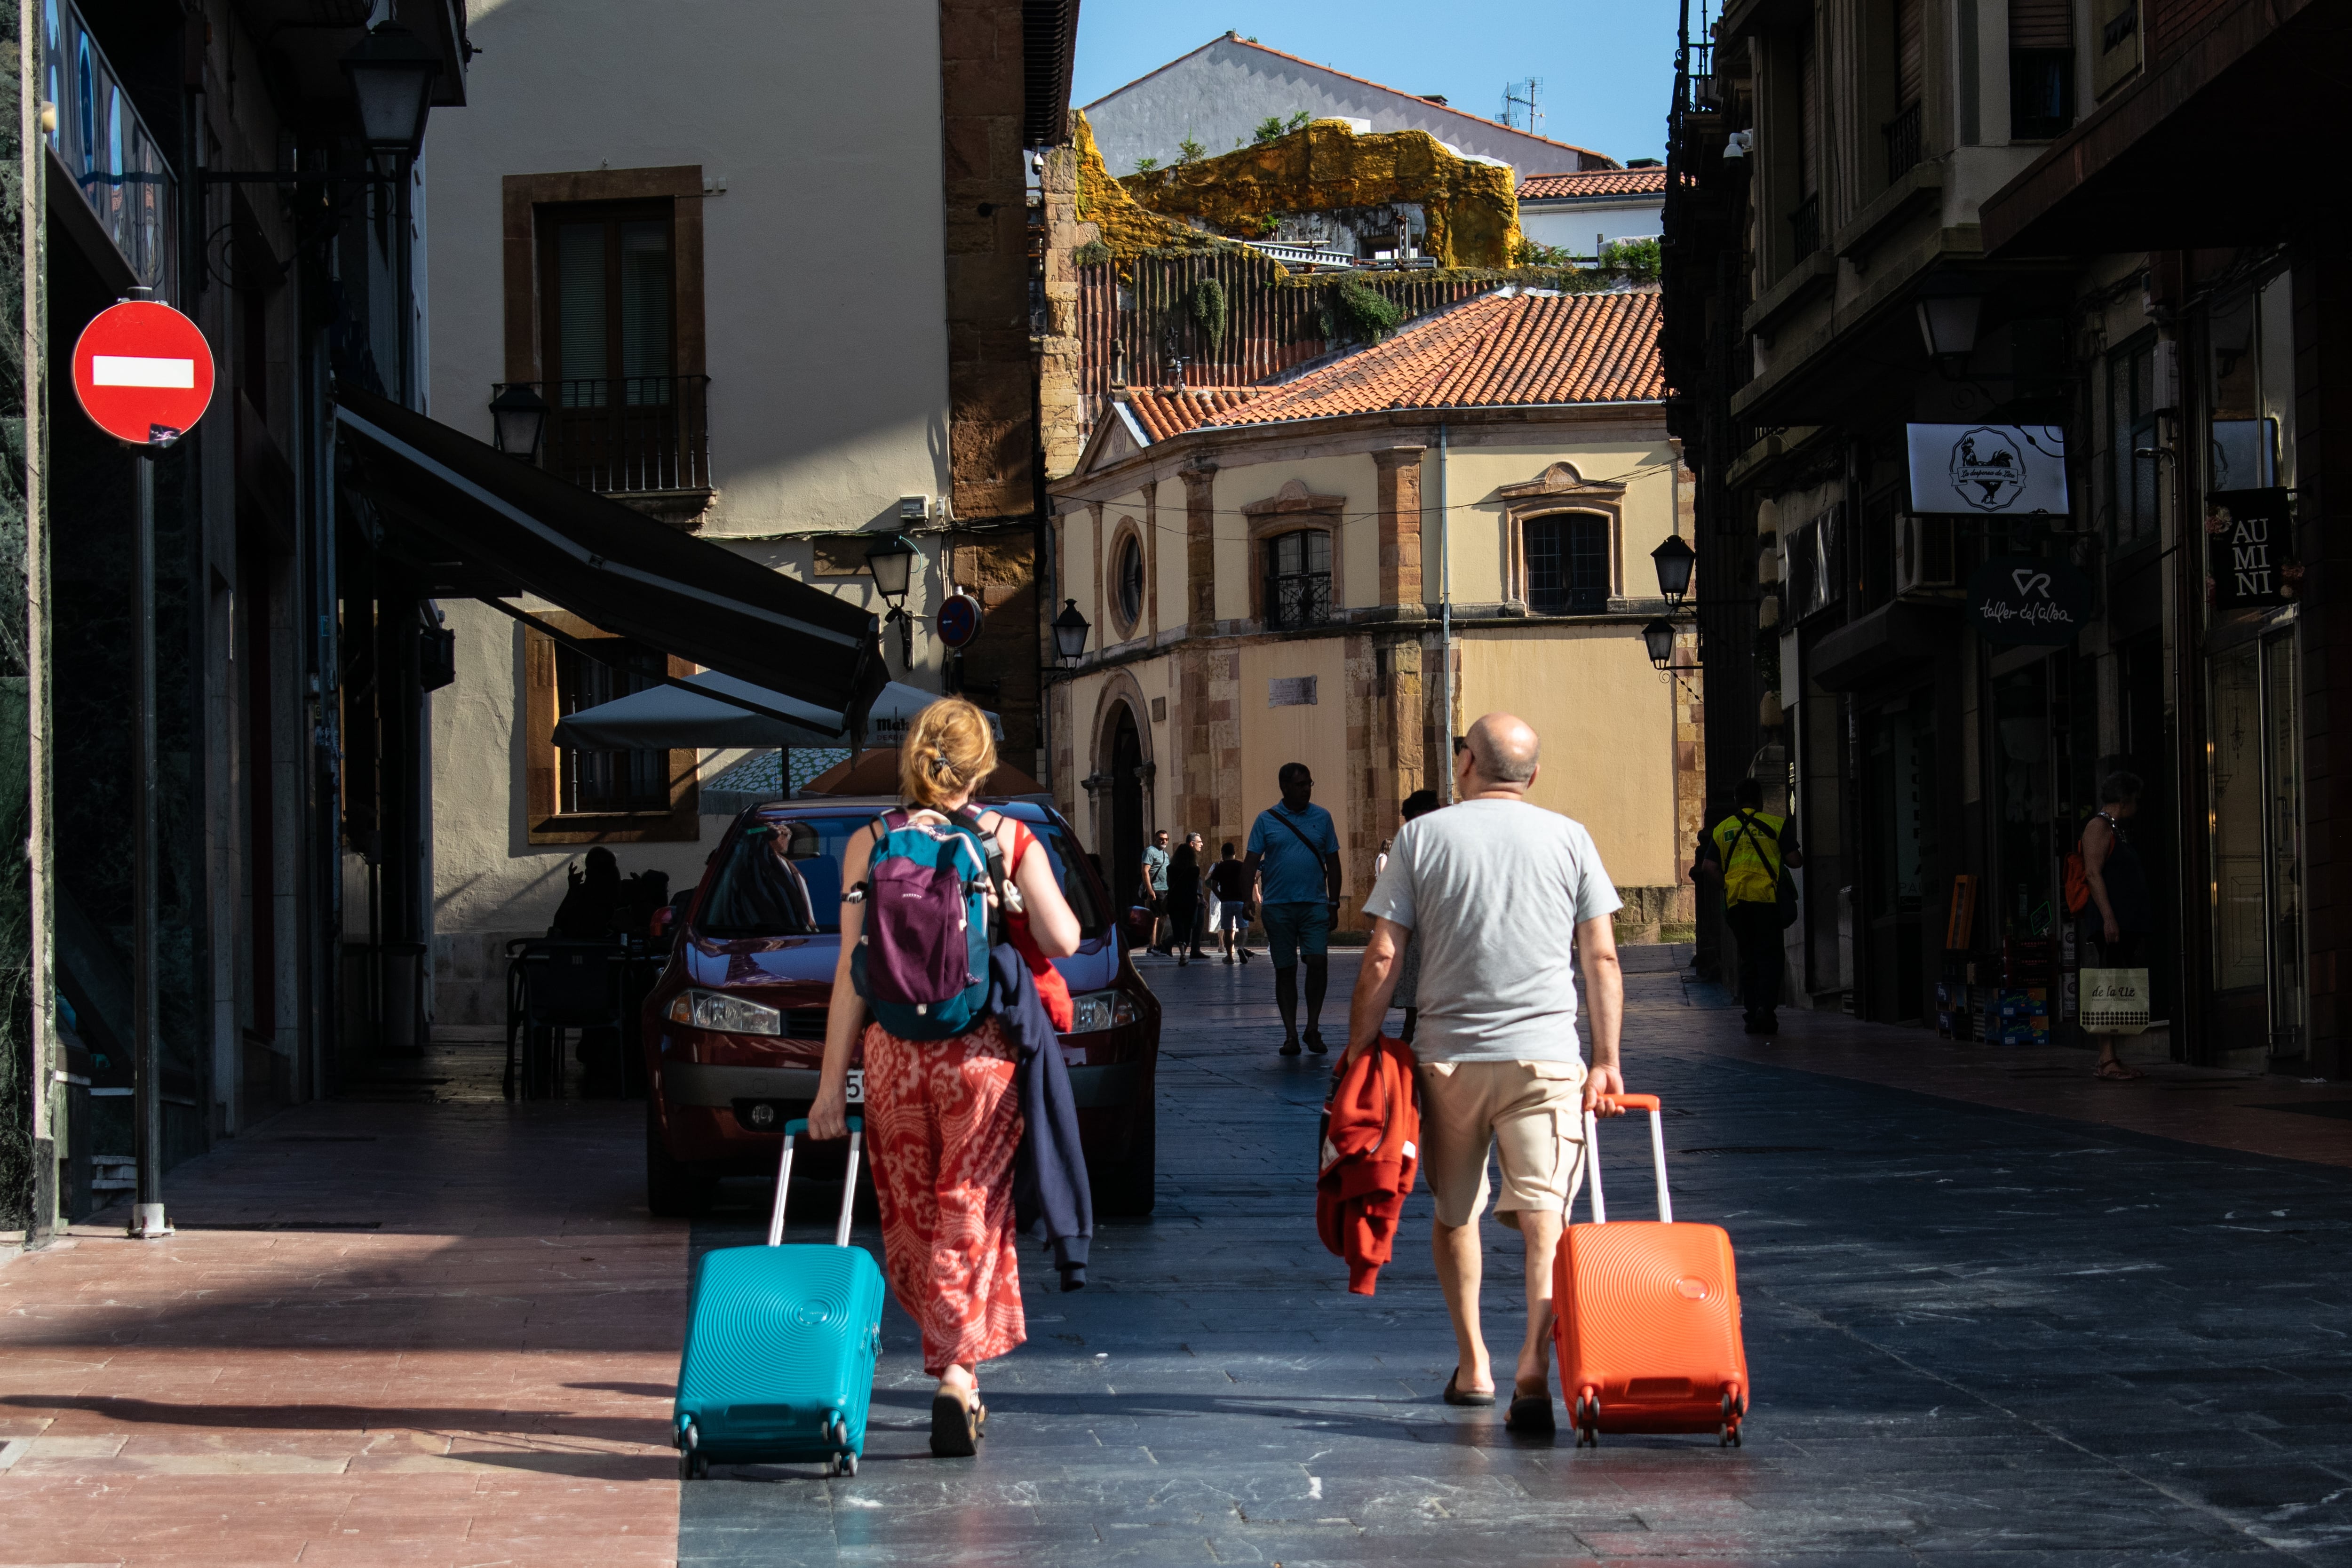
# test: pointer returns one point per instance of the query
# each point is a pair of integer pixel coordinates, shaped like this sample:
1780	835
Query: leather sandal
1458	1395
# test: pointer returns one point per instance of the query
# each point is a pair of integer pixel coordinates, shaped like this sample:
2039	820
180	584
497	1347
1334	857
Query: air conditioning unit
1924	562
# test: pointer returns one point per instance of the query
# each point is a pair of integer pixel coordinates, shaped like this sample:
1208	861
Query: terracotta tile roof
1594	183
1164	412
1490	352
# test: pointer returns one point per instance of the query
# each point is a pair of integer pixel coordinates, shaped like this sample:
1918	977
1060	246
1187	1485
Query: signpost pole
147	1212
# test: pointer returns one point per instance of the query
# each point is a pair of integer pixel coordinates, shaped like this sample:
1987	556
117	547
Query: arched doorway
1125	808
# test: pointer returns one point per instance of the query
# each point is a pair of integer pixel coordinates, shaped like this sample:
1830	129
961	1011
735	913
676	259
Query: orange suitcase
1646	1315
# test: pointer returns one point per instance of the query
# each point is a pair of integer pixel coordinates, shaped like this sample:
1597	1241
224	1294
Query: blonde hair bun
948	752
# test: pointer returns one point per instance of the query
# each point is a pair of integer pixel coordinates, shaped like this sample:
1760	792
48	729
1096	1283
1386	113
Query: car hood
805	960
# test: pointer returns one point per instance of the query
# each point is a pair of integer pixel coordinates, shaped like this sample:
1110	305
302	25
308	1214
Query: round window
1127	576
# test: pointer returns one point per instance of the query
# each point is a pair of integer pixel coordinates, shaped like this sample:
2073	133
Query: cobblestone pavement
426	1329
1977	1337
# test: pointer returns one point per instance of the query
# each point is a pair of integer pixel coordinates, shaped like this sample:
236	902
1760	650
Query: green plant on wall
1145	165
1635	258
1269	129
1353	313
1093	253
1205	303
1189	151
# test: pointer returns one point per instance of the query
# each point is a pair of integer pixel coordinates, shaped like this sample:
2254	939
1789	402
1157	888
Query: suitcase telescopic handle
795	1128
1649	1103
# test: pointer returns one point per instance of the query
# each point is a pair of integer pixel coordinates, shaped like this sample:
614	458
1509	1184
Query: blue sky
1607	65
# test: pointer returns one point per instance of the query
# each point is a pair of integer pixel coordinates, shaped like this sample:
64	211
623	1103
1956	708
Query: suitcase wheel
1734	1407
692	1464
1585	1414
841	1465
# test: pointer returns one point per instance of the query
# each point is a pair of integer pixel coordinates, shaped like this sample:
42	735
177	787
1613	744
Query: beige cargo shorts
1530	1113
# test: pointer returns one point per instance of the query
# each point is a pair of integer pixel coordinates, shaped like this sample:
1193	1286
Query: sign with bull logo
2250	549
2001	470
2025	599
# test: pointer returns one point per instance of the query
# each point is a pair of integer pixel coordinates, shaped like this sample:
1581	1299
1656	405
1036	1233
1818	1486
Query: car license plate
857	1086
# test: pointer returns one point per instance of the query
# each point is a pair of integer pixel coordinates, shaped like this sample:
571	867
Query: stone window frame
1291	509
521	198
1121	533
680	822
1559	488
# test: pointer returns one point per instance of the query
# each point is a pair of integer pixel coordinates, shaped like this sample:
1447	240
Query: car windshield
783	879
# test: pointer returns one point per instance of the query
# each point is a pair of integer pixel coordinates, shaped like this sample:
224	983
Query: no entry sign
143	372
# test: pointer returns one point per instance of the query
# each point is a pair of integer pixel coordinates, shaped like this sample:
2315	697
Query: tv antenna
1519	109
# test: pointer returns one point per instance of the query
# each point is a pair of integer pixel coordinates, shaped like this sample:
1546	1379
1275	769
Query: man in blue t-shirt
1294	850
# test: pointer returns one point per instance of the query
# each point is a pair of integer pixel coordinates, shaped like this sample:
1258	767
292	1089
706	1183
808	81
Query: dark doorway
1126	804
1898	781
2142	671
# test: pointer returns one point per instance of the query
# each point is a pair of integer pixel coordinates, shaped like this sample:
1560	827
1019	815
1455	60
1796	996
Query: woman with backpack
941	1119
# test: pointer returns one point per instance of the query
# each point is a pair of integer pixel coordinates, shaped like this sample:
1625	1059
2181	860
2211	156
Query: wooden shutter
1908	58
2041	25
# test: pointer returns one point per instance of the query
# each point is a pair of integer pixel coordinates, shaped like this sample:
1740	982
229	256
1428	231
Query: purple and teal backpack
921	962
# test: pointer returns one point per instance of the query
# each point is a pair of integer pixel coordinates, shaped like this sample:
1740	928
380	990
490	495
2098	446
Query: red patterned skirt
943	1125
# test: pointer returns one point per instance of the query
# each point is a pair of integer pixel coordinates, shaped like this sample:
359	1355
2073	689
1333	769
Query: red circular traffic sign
143	372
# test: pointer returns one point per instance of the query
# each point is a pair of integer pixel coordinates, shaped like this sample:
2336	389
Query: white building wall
1220	93
1572	225
825	294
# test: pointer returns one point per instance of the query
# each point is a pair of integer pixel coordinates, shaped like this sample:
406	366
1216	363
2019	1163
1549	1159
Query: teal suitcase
780	1346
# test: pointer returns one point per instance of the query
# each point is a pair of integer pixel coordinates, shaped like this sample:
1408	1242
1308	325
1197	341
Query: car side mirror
803	843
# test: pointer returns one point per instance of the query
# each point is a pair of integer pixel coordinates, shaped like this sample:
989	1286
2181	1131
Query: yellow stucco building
1287	573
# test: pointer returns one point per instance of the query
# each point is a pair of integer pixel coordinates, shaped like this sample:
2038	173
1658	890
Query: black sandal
1530	1415
955	1435
1455	1396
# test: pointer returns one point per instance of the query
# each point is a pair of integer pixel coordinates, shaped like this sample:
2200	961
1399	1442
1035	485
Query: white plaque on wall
1290	691
2001	470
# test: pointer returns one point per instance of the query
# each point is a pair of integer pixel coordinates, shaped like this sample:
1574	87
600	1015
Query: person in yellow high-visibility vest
1747	850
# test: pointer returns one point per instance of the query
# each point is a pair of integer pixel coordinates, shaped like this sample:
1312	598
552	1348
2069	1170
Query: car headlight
1098	1010
727	1015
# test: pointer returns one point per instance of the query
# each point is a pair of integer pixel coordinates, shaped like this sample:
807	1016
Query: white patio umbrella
662	718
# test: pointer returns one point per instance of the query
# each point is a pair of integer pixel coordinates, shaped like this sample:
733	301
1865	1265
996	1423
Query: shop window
1813	576
1298	579
1126	581
1567	564
2041	69
2251	390
2131	431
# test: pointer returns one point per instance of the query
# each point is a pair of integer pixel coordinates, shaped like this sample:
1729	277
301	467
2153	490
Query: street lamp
1070	630
392	71
892	562
518	418
1948	309
1674	558
1659	637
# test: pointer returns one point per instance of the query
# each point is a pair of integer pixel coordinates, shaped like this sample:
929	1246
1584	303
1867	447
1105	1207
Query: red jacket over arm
1372	1149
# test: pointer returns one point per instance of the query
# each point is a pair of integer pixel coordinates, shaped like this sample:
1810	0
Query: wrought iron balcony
627	435
1902	135
1805	230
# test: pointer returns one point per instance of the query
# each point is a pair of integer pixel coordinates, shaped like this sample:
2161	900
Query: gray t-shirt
1493	891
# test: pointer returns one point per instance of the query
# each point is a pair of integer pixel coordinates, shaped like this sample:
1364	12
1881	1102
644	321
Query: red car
734	1030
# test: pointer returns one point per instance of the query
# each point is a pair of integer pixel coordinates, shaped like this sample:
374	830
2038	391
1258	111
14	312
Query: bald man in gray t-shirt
1504	900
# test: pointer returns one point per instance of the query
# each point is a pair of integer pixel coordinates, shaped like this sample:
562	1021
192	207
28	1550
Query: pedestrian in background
1202	906
1155	890
1294	849
1748	849
1183	899
1506	899
2113	928
1419	803
1231	888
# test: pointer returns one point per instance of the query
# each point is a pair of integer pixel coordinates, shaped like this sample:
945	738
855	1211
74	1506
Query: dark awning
474	521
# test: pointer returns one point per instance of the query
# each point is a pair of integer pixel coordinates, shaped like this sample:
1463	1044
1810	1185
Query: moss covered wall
1471	208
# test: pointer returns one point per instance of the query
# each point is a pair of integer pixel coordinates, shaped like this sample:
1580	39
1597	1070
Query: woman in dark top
1183	899
2115	924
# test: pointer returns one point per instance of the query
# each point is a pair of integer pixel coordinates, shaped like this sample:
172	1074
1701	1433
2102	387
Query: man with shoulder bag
1294	845
1751	851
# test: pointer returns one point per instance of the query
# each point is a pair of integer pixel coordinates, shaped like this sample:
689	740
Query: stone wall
990	421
